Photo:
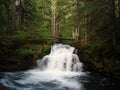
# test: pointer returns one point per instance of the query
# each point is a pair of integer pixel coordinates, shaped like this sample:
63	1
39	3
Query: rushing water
60	70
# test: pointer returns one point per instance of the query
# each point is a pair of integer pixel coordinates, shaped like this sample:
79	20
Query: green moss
98	57
26	52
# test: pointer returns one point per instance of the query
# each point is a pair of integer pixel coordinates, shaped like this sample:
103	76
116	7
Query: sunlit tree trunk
57	26
76	32
77	19
53	17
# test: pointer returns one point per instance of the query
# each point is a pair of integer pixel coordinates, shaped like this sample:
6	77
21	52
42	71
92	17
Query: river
59	70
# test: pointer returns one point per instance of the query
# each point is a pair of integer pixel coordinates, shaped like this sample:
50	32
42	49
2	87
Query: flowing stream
60	70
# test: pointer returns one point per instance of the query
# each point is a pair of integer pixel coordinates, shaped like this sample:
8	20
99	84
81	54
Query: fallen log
60	38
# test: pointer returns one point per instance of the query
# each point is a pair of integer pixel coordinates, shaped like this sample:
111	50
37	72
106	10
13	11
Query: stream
59	70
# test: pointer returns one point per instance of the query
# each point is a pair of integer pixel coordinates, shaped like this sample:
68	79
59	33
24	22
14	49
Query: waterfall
59	70
61	58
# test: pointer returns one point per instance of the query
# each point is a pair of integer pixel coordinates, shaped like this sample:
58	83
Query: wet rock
4	88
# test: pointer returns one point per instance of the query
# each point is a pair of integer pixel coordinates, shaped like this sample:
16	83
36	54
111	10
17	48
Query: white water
61	67
61	59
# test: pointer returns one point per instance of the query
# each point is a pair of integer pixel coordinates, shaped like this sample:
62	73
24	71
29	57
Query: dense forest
29	27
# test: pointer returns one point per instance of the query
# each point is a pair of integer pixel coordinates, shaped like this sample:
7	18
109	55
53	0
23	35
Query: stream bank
22	55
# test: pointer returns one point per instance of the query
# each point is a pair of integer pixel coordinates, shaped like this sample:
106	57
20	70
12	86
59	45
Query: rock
4	88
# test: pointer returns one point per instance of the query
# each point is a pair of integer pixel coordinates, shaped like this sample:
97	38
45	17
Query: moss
21	55
98	57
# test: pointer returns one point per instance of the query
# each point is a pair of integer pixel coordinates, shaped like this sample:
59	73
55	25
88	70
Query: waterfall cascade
61	58
60	70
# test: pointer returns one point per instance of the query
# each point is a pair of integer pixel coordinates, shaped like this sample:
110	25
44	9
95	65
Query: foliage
95	24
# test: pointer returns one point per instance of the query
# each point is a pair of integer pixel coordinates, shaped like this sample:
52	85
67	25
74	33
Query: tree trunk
87	27
119	10
21	16
13	16
112	20
53	17
53	25
76	32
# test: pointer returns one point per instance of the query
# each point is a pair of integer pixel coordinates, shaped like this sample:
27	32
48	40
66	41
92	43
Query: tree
4	17
13	16
53	17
